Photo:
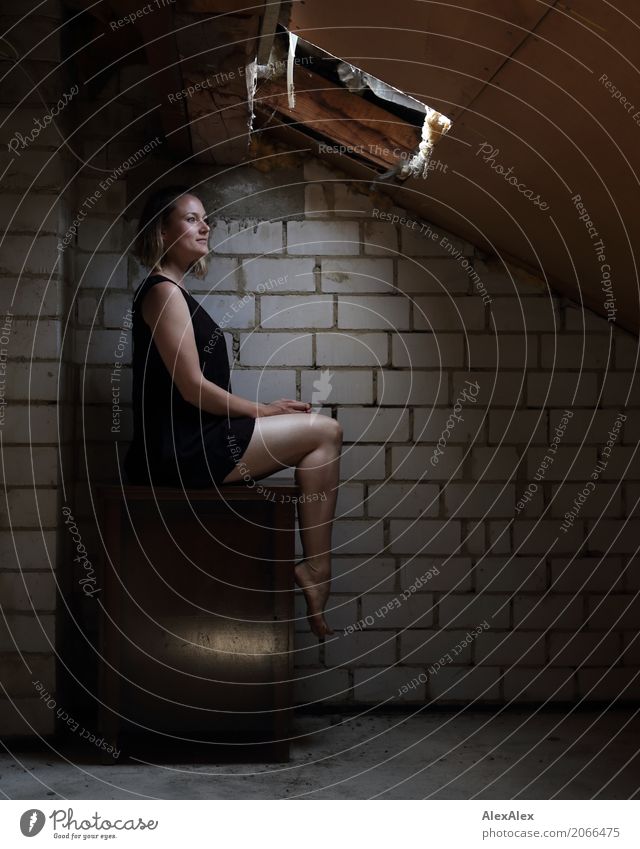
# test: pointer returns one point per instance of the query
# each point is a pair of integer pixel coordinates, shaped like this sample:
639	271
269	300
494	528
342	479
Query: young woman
189	429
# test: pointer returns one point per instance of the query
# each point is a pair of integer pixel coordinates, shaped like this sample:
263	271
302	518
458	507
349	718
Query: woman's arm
166	312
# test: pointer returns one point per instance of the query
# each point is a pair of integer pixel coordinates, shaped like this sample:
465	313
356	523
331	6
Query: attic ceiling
544	98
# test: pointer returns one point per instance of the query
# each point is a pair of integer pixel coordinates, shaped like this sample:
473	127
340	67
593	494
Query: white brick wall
397	322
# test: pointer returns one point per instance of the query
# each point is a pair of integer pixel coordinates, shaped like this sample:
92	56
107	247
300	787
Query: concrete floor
443	755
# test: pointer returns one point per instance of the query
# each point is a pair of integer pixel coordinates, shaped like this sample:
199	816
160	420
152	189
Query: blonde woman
190	430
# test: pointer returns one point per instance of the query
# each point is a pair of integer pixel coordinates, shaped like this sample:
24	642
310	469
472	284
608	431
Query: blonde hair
148	246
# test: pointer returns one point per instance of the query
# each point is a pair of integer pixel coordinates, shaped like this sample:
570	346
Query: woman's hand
284	405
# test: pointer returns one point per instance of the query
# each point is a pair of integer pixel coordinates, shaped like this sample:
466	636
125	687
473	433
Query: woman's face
186	235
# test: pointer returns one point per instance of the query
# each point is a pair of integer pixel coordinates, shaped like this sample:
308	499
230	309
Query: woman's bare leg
312	442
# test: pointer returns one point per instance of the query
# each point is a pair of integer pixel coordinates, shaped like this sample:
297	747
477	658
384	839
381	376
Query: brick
453	684
362	349
430	647
478	500
326	685
511	574
361	649
20	674
519	427
359	275
379	312
608	536
437	276
395	611
424	536
607	685
345	386
315	311
585	574
502	351
275	349
612	611
353	536
26	591
380	237
97	346
399	388
371	424
423	239
604	500
265	386
557	611
428	425
378	685
577	318
39	213
279	274
350	500
230	311
494	463
443	313
534	685
626	348
33	297
117	310
341	611
403	500
509	648
323	237
470	610
562	352
31	424
98	386
584	649
507	280
26	718
624	463
453	573
100	270
30	508
100	234
27	633
246	237
527	314
567	463
488	537
423	350
415	463
19	175
542	537
28	254
502	390
30	465
358	574
621	390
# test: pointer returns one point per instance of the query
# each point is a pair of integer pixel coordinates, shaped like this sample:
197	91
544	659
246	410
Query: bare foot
316	588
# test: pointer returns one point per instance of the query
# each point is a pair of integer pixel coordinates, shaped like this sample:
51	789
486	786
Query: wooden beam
157	31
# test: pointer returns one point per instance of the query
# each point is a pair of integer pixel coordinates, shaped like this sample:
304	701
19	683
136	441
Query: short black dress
174	442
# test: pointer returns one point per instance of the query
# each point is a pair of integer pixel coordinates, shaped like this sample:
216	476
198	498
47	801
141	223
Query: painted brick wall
454	579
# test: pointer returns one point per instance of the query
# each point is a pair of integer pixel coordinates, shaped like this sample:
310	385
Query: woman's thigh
281	441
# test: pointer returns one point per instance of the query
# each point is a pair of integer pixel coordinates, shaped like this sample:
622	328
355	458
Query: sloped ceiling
523	82
544	98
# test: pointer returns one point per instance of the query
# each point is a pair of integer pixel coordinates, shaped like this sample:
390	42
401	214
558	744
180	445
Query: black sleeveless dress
176	443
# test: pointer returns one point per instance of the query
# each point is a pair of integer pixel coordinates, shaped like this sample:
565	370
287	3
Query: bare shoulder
161	299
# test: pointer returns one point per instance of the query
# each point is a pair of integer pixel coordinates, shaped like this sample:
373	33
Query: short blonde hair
148	246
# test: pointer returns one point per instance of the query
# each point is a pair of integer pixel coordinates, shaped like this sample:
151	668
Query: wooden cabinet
196	626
